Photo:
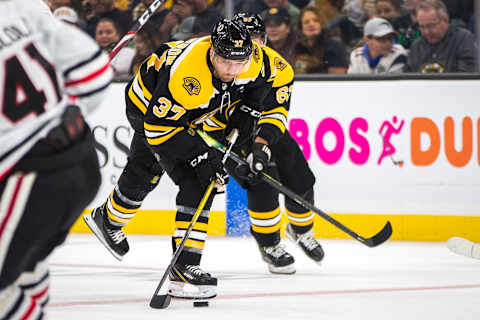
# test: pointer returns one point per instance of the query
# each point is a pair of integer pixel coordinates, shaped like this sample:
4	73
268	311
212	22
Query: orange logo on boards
428	128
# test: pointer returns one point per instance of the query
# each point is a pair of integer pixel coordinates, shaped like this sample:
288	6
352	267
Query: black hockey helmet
253	22
231	40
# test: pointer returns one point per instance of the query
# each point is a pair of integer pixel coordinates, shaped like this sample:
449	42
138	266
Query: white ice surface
397	280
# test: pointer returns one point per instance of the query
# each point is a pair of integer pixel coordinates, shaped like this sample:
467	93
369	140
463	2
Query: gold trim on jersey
157	135
282	72
139	94
155	61
277	117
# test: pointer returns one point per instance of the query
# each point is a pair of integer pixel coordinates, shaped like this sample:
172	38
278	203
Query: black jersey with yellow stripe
272	110
176	90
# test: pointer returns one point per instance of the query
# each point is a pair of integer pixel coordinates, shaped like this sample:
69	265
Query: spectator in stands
280	35
406	25
261	7
144	46
442	47
379	54
201	22
348	26
459	11
388	9
330	8
315	52
98	9
300	4
107	35
55	4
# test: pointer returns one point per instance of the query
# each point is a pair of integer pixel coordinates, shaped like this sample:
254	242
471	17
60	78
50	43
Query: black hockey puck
200	303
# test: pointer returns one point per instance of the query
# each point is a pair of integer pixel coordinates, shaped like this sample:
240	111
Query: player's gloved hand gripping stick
374	241
162	301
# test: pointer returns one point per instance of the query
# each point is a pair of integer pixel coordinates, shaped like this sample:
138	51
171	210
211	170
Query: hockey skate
278	260
112	238
307	242
191	282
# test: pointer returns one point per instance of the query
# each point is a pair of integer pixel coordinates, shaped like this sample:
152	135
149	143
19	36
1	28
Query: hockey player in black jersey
177	89
281	158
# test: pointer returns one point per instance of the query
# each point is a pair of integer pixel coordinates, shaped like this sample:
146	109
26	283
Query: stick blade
160	301
380	237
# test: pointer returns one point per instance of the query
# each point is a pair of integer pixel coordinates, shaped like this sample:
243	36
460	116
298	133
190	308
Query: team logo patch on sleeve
279	64
192	86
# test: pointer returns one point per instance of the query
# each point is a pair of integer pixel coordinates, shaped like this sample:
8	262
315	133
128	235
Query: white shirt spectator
390	63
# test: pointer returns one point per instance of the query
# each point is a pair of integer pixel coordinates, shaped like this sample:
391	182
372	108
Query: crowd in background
314	36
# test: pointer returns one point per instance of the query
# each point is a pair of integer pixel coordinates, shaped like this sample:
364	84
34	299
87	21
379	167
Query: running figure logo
386	131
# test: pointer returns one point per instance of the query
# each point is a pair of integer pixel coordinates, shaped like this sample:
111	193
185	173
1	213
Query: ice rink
397	280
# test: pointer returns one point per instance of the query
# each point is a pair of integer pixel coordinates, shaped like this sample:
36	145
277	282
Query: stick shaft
136	26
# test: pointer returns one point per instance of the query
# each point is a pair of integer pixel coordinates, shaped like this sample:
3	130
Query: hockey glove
259	157
243	118
208	166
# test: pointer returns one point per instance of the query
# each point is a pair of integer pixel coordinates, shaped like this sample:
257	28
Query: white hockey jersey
391	63
43	64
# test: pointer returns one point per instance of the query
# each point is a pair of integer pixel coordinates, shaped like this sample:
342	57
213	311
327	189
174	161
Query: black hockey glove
208	166
257	161
244	119
259	157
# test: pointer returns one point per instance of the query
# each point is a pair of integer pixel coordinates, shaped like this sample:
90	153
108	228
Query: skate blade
290	269
181	290
93	227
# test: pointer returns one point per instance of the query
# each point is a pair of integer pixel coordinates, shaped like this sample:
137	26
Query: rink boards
406	151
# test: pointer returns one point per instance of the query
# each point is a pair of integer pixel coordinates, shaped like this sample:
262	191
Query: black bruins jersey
272	113
176	91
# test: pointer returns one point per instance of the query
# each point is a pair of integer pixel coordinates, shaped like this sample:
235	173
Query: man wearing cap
280	35
442	47
379	54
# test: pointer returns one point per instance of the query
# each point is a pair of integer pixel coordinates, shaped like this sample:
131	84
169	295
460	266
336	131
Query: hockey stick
135	28
162	301
374	241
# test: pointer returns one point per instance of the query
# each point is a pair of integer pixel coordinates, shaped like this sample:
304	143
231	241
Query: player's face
106	34
226	69
311	25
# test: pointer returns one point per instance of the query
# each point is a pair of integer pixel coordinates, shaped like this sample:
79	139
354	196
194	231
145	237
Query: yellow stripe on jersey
191	243
155	61
157	135
264	215
280	110
282	72
277	123
145	91
213	124
199	226
136	101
